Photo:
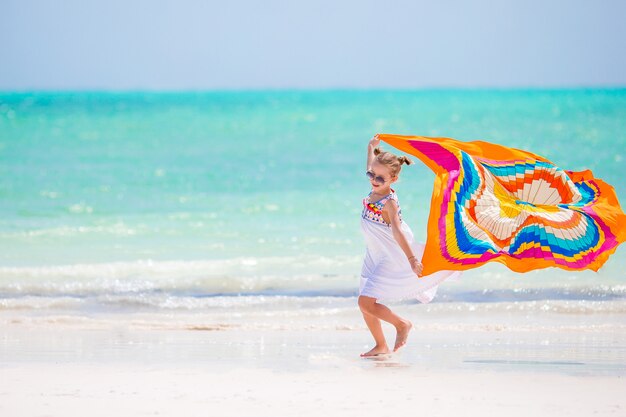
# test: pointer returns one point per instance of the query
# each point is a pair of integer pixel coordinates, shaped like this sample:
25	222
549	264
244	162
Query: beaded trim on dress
374	211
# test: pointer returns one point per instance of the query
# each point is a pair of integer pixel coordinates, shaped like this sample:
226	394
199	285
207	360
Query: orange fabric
495	203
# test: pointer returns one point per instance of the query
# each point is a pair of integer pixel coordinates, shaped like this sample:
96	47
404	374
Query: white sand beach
104	389
475	363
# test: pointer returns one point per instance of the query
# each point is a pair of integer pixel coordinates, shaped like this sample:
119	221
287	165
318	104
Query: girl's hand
416	266
374	142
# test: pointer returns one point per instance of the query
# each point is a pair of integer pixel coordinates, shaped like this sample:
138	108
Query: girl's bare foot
376	350
402	334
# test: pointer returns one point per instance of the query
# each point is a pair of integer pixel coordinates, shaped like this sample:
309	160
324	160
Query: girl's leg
403	327
373	323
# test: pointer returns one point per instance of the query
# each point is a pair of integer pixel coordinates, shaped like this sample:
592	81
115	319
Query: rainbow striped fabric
495	203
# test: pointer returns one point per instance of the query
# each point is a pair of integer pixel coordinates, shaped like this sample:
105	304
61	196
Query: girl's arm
392	210
374	142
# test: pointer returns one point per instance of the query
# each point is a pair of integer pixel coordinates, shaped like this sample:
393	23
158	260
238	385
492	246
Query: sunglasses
376	178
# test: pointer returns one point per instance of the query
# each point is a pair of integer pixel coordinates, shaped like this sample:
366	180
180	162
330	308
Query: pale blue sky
235	44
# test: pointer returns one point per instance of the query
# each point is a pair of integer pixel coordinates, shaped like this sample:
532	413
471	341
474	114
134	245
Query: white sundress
386	272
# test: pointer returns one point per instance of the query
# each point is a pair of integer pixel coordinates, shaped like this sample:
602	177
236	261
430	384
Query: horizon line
309	89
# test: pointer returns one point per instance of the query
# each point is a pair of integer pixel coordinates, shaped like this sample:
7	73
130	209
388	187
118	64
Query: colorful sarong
495	203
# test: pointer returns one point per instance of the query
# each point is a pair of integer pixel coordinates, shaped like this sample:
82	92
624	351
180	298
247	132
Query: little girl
392	267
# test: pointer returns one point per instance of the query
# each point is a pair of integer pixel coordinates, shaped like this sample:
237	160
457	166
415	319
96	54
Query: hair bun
377	150
404	160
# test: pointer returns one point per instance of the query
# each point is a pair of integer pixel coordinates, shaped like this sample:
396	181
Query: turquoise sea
176	200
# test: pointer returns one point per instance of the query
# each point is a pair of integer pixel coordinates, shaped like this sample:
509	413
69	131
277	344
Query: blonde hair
393	162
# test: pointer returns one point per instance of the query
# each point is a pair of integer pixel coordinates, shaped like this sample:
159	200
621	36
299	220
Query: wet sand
71	365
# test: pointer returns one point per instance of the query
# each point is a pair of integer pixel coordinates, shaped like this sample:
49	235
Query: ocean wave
549	316
291	307
196	284
117	229
208	277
